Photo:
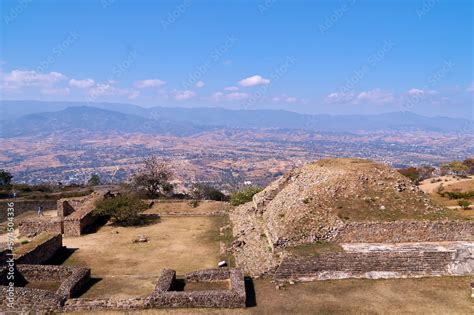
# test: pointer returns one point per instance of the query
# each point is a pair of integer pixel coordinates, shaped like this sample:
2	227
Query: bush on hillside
206	192
244	195
464	204
458	195
122	209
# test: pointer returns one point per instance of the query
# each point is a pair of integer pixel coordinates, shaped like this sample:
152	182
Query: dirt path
428	187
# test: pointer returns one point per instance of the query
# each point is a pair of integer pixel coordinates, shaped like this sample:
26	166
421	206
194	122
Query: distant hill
91	119
26	117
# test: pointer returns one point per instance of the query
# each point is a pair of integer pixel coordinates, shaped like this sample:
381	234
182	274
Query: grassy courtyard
123	269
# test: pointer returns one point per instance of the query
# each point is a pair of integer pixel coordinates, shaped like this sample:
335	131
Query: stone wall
405	231
66	207
80	216
26	300
164	297
372	265
39	250
72	279
37	225
234	297
22	206
75	223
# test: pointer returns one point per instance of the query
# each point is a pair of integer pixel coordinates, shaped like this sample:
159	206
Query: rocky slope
312	202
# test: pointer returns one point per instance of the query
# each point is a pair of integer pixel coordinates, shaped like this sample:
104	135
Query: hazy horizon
338	57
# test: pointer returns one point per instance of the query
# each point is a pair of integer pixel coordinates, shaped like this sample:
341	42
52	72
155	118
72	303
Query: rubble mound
311	203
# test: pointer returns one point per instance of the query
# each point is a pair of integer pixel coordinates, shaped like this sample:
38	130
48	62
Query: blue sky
336	57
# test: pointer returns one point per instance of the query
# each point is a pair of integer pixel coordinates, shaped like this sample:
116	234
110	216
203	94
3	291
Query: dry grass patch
313	249
184	244
184	206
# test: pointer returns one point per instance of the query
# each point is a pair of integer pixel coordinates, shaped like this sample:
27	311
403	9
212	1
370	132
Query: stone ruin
53	288
74	215
72	281
26	296
165	294
302	209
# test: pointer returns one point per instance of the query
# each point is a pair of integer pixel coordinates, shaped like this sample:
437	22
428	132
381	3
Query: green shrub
207	192
464	204
122	209
194	203
244	195
458	195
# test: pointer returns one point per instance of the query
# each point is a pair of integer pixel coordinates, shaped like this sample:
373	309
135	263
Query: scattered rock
141	239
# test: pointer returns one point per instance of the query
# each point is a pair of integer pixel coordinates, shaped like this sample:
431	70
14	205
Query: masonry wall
234	297
72	279
40	252
22	206
163	297
365	265
79	213
37	225
75	223
405	231
26	299
66	207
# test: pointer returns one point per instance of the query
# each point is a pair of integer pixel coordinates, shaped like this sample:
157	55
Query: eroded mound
312	202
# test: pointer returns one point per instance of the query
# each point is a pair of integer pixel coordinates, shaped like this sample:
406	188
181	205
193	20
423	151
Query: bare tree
154	177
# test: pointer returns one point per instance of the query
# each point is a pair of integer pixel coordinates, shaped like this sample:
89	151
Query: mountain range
24	118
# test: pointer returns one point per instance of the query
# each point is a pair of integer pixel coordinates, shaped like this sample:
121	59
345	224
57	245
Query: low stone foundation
234	297
72	281
164	297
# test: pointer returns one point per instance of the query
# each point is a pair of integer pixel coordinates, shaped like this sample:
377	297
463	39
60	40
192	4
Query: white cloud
232	96
336	97
415	91
149	83
55	91
183	95
20	78
420	92
200	84
82	84
231	88
286	99
133	94
376	96
236	96
254	81
107	89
